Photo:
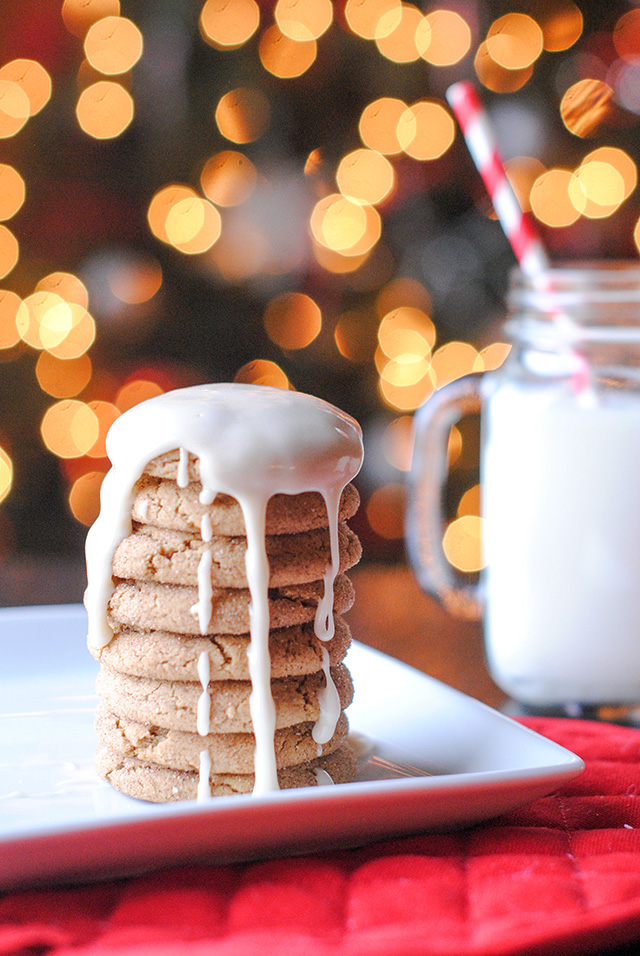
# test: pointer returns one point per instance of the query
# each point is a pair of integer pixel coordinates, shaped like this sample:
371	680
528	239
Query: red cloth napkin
559	876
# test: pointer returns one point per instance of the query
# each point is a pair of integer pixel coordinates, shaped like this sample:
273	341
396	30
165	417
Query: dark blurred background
269	192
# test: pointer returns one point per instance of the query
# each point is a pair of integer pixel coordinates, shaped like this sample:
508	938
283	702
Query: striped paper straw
517	225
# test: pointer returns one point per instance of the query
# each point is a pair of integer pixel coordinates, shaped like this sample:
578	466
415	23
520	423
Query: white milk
561	486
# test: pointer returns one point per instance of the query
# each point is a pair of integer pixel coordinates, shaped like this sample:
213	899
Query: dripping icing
204	608
251	442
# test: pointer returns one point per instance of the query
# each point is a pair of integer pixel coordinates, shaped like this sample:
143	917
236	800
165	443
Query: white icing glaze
252	442
206	531
202	610
143	508
204	700
329	701
323	779
204	784
182	477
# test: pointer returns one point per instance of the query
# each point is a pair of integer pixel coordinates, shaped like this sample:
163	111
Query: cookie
174	705
163	504
161	785
164	607
229	753
293	650
166	556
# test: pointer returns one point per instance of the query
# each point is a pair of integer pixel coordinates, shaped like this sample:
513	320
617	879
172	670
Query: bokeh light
385	510
561	24
292	320
491	357
585	105
11	305
355	337
32	78
106	414
626	36
6	474
426	130
229	23
162	202
79	338
303	19
15	108
63	378
400	45
397	442
69	428
462	543
365	175
551	200
371	19
136	391
113	45
597	189
262	372
402	292
470	502
228	178
514	41
84	497
453	360
378	125
46	320
12	191
68	286
496	77
243	114
79	15
135	280
193	225
522	172
345	226
443	38
104	109
284	57
9	251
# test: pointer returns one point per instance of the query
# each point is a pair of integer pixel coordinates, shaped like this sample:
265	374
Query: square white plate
58	821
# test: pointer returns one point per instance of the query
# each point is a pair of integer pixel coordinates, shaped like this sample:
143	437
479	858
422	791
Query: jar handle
424	517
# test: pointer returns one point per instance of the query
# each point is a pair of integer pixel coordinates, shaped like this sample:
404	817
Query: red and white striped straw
517	225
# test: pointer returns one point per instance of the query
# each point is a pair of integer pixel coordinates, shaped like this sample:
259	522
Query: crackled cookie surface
216	585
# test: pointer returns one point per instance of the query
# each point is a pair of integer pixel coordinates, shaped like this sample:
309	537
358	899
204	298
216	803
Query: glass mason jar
560	479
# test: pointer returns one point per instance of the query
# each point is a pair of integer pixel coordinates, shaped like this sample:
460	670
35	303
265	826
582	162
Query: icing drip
203	609
329	701
206	531
182	478
204	701
323	778
204	785
252	442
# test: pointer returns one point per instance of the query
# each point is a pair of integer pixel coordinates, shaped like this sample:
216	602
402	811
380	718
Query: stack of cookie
174	719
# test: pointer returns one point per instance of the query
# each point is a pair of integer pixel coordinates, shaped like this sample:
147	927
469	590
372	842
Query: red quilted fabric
559	876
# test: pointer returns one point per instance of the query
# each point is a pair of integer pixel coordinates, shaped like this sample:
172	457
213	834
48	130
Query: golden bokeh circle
104	109
79	15
228	178
32	78
229	23
284	57
366	176
303	19
292	320
113	45
12	191
243	114
9	251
